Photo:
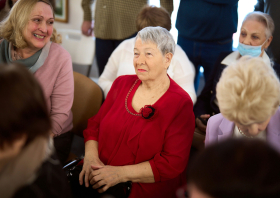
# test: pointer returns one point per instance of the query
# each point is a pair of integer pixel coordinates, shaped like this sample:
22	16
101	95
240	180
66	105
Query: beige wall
75	16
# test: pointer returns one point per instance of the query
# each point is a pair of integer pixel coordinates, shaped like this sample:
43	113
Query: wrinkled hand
199	124
87	169
105	177
87	28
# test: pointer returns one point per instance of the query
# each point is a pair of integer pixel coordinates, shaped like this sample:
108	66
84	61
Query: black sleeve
260	6
202	105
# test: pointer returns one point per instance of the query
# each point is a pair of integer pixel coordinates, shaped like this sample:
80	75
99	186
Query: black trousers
63	145
104	49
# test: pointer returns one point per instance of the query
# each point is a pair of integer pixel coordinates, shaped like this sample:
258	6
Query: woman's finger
97	183
103	189
81	176
205	116
86	178
90	176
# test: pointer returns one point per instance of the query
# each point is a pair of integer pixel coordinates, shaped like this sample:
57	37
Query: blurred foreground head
236	168
23	111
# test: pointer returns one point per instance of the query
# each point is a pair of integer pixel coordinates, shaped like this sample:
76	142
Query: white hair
248	91
264	19
160	36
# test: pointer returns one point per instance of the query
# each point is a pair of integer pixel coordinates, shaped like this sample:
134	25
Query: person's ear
268	42
168	57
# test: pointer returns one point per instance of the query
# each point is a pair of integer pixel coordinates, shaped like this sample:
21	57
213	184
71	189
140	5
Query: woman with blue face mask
255	36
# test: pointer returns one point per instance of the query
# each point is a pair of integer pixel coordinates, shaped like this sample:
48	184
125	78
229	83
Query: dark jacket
207	20
205	102
51	182
272	7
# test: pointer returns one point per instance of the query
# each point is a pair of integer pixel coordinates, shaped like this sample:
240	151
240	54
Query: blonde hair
13	26
263	18
248	91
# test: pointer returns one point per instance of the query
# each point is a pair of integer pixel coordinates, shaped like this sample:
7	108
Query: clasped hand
100	176
105	177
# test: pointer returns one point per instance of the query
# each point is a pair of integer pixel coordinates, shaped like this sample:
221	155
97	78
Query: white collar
234	56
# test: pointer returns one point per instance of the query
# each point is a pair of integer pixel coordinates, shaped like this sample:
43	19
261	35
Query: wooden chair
88	98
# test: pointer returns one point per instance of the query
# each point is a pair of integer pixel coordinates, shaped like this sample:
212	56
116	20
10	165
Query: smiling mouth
38	36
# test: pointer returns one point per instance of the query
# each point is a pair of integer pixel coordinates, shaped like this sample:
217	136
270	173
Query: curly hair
13	26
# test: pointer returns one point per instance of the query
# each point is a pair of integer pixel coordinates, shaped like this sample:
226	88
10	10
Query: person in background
255	36
113	23
181	70
248	94
272	7
236	168
28	164
144	129
205	29
30	39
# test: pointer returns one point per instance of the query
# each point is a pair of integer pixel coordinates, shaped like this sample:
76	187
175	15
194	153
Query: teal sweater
207	20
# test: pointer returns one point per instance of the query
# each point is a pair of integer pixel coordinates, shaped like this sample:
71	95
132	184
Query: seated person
236	168
30	39
255	36
144	129
181	70
28	166
248	95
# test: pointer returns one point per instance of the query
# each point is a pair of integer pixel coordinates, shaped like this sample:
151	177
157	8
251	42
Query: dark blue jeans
104	49
203	54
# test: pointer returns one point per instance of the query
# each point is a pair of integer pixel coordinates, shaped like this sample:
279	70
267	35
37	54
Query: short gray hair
264	19
160	36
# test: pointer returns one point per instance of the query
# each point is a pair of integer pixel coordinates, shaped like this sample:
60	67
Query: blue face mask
253	51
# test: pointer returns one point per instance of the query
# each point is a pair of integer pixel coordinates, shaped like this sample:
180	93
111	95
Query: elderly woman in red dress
143	132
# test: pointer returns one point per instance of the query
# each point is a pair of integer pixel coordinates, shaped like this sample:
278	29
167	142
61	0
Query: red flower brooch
147	111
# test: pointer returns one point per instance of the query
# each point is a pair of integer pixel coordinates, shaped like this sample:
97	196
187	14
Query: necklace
248	136
138	114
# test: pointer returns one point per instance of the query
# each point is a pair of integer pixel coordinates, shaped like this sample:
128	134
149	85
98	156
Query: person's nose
253	129
140	59
247	41
43	27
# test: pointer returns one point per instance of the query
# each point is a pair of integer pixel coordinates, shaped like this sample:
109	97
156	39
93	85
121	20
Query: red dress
164	139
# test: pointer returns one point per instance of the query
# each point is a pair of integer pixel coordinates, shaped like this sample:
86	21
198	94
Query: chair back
88	98
80	47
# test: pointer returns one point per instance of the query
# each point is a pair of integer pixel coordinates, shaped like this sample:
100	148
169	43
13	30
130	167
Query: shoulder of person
276	115
126	80
58	50
127	43
215	120
179	50
126	46
178	94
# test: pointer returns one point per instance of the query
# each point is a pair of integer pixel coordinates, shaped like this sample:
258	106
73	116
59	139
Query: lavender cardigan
219	129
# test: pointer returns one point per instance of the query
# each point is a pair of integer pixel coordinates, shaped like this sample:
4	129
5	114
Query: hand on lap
87	170
105	177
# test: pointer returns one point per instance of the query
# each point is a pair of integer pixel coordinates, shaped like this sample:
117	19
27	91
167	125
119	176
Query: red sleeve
92	130
173	158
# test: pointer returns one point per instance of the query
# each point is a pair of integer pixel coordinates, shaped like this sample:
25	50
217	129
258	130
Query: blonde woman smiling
30	39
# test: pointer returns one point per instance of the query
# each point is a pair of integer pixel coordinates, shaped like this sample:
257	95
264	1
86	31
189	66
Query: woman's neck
158	85
25	52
